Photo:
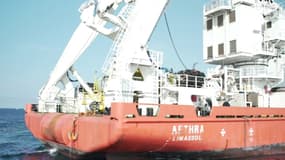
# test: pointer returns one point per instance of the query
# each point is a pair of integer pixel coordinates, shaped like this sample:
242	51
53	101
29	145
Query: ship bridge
225	44
255	51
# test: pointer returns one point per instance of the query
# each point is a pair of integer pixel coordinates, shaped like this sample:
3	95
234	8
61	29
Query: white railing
260	72
215	4
274	34
184	80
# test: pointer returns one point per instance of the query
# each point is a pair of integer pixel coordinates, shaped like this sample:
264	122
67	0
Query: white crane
95	16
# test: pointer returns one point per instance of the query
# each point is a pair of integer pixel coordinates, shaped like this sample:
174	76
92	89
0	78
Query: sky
34	33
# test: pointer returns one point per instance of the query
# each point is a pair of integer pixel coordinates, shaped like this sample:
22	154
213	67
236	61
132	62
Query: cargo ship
138	106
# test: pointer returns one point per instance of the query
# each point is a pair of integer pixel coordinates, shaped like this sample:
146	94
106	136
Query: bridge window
221	49
269	24
232	16
233	46
210	52
209	24
220	20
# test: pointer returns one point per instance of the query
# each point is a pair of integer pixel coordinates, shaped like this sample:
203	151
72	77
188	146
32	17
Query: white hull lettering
184	133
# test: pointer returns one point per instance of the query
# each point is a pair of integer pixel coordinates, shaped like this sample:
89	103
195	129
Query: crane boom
93	19
131	27
80	40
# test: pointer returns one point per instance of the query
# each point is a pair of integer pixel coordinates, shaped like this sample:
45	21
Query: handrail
185	80
257	72
213	4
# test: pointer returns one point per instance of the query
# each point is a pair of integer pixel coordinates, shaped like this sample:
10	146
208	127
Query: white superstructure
244	38
247	36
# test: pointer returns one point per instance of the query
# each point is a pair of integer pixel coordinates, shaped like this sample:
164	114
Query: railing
185	80
214	4
66	105
261	72
273	35
115	49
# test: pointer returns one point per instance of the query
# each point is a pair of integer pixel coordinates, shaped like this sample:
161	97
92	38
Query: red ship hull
176	128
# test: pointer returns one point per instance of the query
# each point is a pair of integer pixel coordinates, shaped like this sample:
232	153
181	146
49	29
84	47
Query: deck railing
185	80
216	4
261	72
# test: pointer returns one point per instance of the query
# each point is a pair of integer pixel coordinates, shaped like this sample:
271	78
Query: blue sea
17	143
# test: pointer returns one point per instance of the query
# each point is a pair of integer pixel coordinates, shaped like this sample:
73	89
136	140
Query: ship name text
192	132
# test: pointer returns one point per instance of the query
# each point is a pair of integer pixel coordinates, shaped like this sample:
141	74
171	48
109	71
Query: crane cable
172	42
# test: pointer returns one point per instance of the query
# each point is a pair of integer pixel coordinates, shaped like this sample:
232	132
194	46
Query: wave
40	153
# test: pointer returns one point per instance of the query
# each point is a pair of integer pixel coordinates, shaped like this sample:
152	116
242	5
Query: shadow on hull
260	153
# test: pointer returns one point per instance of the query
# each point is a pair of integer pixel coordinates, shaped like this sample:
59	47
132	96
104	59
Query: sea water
17	143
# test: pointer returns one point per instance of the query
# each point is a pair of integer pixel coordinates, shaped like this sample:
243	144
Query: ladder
115	49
